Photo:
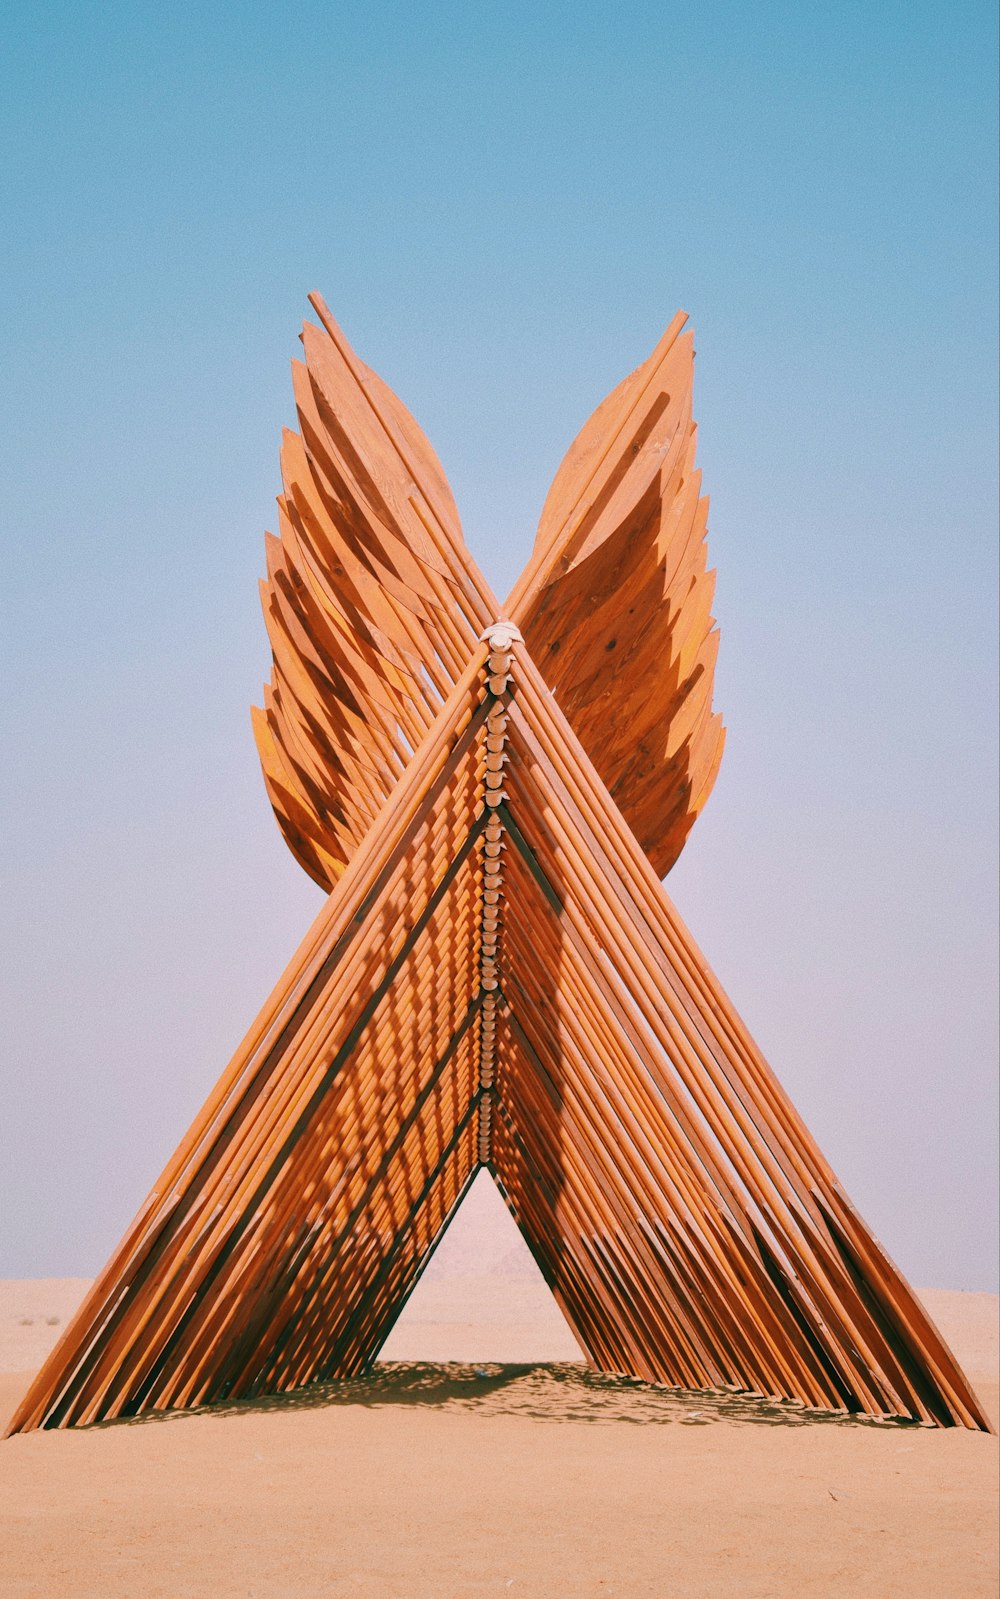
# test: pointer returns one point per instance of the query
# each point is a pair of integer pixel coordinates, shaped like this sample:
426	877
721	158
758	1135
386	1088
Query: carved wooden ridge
497	978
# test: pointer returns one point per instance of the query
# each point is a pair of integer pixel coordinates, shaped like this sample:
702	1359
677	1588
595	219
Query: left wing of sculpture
371	600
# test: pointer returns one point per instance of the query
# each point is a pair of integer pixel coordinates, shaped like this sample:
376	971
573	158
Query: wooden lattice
497	978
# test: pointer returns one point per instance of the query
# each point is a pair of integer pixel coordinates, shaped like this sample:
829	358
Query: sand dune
511	1471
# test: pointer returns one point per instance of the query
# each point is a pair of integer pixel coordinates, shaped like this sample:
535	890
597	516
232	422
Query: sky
503	206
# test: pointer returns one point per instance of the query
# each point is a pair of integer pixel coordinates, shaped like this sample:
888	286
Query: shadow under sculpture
497	978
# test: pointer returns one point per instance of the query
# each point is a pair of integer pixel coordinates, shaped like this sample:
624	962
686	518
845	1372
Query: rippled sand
547	1391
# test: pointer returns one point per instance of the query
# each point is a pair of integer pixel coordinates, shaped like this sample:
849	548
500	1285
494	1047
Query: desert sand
481	1458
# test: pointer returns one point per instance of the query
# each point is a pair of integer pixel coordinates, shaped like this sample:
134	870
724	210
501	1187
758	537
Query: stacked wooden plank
370	601
615	602
320	1170
497	978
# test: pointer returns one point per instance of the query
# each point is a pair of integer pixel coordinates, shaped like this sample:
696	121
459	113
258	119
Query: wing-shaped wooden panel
371	602
615	603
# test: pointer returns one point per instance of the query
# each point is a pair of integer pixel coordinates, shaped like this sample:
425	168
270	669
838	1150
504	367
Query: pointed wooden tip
671	334
322	310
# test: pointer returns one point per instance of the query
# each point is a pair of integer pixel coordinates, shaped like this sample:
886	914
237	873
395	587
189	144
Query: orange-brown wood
497	978
615	602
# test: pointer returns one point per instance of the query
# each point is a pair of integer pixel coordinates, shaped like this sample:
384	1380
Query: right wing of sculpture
615	602
371	600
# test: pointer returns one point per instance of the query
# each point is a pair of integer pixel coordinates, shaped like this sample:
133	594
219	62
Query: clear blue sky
504	205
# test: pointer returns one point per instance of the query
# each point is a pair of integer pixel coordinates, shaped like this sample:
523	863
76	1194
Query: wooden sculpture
497	978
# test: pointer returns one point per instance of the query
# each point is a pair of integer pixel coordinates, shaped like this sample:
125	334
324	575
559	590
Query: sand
509	1472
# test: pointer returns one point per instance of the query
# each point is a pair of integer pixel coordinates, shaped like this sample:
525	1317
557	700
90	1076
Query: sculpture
497	978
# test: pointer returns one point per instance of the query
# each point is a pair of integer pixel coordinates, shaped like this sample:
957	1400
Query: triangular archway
480	1298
